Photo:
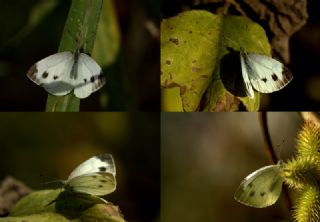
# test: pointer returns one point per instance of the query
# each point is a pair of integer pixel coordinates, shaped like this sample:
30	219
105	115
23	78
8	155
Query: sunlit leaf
195	46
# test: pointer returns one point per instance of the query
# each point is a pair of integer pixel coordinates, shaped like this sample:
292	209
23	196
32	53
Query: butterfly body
263	73
63	72
261	188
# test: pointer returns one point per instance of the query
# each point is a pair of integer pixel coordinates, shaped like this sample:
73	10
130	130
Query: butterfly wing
94	176
266	74
102	163
89	77
261	188
52	73
98	184
245	75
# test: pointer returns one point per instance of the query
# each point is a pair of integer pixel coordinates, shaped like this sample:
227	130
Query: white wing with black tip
95	176
266	74
52	73
63	72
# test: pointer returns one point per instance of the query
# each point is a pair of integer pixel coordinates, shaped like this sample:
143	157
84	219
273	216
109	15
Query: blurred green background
126	46
205	156
38	143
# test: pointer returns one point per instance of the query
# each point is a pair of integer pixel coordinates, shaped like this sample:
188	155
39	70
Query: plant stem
270	149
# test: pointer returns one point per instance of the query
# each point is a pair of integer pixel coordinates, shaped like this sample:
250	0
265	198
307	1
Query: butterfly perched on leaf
95	176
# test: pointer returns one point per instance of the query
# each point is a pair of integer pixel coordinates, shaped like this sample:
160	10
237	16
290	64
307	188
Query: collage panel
240	167
239	55
144	153
79	55
80	167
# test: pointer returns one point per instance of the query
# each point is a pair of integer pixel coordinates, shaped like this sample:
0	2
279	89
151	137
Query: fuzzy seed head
301	172
307	208
308	140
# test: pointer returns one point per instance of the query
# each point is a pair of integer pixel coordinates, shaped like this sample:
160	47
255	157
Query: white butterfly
263	73
95	176
63	72
261	188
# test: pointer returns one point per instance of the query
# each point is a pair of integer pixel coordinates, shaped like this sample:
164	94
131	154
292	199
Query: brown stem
271	151
267	137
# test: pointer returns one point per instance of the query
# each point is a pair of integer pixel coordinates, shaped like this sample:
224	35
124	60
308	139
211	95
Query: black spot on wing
264	80
55	77
284	78
100	186
85	80
250	185
252	193
94	176
102	169
45	74
262	194
103	181
97	80
274	77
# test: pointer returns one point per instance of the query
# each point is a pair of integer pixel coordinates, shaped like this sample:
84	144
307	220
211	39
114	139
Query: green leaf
81	25
107	43
55	205
194	45
171	100
42	217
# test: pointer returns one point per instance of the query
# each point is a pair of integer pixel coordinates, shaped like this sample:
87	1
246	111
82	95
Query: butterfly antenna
53	180
279	149
83	32
48	177
262	48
